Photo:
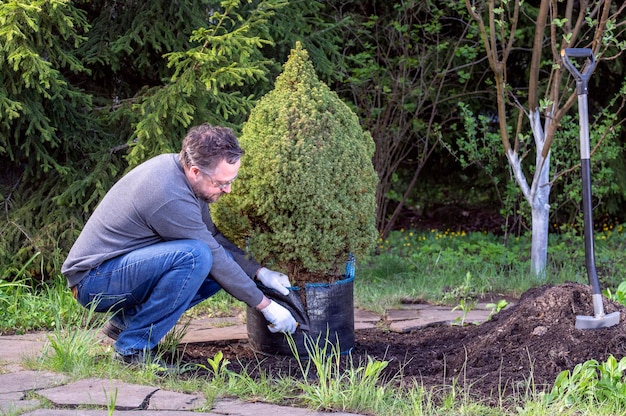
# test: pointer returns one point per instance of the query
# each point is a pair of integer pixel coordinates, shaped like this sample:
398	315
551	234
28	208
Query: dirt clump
531	341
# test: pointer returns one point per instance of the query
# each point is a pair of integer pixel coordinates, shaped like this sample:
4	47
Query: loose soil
527	344
531	341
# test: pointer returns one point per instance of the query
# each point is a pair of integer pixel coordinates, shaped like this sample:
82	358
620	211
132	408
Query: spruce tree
305	197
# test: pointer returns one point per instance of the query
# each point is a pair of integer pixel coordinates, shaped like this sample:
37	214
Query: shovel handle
581	90
581	78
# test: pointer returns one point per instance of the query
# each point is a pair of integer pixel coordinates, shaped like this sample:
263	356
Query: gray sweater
154	203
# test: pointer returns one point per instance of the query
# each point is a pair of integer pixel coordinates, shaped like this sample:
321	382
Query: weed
69	348
496	307
171	341
111	401
591	382
620	294
218	367
465	306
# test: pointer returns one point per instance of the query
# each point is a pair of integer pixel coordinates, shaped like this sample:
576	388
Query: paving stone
14	386
15	348
235	332
402	314
410	305
15	396
29	380
102	392
364	325
170	400
441	315
365	319
234	407
99	392
361	315
12	402
95	412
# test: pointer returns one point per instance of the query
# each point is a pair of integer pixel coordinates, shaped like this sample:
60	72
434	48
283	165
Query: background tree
548	96
45	123
91	88
408	64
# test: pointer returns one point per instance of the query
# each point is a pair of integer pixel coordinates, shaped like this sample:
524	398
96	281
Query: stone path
40	393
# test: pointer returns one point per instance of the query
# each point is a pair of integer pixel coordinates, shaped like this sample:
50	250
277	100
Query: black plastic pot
330	313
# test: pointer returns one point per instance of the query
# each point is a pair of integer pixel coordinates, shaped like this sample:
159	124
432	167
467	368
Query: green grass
429	266
27	308
219	305
435	266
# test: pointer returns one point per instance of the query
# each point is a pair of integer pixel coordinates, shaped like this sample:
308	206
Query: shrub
305	197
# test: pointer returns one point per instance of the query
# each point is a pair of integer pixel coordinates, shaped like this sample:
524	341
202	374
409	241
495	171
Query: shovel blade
597	322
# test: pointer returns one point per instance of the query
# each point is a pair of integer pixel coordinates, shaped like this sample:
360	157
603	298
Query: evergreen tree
305	197
90	89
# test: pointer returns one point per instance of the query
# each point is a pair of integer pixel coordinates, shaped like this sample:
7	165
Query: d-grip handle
581	78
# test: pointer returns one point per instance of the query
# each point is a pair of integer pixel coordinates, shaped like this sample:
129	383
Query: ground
529	343
535	338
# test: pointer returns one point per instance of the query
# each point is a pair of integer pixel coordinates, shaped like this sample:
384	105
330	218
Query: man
150	250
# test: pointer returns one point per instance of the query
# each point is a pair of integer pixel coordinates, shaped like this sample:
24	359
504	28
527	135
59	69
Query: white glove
279	318
274	280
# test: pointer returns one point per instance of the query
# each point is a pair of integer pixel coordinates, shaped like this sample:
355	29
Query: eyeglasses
219	185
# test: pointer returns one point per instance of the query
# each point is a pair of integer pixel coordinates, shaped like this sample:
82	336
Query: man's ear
194	171
193	174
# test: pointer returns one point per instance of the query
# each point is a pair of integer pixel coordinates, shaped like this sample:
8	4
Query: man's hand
279	318
274	280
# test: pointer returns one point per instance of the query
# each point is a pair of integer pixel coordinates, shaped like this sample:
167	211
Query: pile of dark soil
533	340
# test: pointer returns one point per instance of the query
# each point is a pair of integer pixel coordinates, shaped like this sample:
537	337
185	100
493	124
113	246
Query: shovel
599	320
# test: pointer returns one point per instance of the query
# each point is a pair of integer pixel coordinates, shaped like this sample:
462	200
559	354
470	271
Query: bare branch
535	62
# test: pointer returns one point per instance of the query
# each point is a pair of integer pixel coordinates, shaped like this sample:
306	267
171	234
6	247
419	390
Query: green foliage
171	340
607	184
69	346
26	308
592	383
305	198
496	307
318	28
465	295
407	65
619	295
465	306
354	386
462	292
481	146
45	132
146	71
206	78
434	265
37	102
218	368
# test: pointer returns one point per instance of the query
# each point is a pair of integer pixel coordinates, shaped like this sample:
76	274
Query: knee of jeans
203	258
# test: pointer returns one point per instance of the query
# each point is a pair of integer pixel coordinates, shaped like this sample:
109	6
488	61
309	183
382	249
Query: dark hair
206	146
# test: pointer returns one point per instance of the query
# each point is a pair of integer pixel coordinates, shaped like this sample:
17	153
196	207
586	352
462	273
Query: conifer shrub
305	195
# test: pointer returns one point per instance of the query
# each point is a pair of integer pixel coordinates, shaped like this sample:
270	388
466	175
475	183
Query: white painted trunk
539	199
537	195
541	220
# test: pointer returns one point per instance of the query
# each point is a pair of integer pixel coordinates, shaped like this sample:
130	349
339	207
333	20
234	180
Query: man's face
209	187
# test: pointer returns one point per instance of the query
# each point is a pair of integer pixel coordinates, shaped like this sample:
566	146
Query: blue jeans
149	289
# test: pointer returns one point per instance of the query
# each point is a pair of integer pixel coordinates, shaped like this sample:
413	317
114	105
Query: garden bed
529	343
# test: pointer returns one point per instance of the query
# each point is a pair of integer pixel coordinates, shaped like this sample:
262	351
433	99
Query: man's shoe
112	330
149	361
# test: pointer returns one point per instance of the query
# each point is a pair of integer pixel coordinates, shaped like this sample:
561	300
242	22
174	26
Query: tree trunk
541	220
537	194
